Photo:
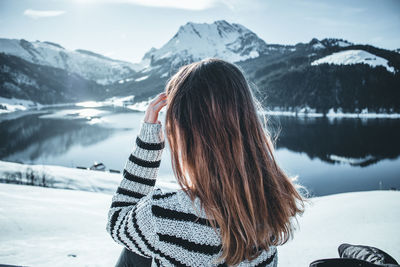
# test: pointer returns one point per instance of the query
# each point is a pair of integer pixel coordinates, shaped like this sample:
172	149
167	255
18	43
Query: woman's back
190	238
223	160
164	225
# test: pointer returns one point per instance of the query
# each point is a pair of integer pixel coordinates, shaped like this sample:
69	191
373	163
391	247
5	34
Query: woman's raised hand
151	115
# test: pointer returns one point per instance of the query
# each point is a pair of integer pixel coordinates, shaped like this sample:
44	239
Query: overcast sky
126	29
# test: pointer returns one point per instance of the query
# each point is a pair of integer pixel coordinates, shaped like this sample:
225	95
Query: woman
235	204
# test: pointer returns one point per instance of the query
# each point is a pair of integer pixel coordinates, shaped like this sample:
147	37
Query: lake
327	155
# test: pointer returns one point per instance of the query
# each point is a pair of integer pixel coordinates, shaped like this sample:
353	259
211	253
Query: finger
160	105
162	94
158	98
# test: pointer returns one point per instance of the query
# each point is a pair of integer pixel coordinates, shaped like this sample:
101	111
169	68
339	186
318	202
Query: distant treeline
350	87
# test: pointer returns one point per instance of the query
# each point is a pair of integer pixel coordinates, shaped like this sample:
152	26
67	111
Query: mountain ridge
283	74
88	64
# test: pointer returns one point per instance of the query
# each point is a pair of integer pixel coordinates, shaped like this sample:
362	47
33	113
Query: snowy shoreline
8	105
13	105
54	176
331	114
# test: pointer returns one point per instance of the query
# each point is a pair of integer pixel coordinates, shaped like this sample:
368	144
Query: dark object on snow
358	256
370	254
80	167
131	259
114	171
98	167
337	262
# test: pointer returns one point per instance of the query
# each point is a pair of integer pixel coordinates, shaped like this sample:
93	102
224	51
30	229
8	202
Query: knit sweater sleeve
130	220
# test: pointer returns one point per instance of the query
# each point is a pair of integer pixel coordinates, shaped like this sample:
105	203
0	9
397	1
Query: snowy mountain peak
328	42
222	27
196	41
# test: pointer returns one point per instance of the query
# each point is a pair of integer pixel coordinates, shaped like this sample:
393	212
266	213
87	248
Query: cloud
37	14
178	4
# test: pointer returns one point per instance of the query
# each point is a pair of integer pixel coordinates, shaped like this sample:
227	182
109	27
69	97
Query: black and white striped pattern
165	226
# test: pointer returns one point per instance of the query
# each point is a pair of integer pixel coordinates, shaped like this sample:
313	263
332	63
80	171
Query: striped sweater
165	226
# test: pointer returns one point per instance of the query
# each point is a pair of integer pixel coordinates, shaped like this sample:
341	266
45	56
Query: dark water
328	155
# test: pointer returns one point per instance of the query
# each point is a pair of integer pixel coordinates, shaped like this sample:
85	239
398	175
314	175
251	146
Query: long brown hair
225	157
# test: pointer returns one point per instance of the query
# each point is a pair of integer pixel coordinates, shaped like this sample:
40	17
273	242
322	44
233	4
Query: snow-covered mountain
22	79
348	57
196	41
85	63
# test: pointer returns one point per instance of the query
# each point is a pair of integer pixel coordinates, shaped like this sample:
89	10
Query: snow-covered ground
126	102
54	227
57	227
70	178
14	104
8	105
349	57
362	218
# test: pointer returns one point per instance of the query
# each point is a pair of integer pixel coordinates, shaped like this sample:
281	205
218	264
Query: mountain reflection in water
355	141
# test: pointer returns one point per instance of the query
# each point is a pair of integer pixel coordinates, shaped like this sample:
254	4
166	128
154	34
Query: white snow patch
119	101
351	161
254	54
89	104
140	106
166	55
343	44
113	101
318	46
349	57
15	104
361	218
142	78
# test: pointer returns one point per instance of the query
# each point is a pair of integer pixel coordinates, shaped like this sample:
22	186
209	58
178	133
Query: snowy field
360	218
58	227
54	227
